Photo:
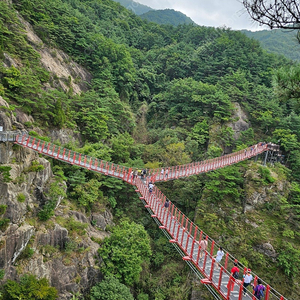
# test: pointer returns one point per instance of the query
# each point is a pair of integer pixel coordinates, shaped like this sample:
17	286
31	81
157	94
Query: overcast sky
216	13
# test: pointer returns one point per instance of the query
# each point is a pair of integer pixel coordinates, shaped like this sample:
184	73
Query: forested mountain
96	78
167	16
136	7
278	41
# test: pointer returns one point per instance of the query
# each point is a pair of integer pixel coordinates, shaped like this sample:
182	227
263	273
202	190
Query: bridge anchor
205	281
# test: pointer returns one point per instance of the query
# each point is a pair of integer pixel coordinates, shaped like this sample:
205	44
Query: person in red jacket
234	275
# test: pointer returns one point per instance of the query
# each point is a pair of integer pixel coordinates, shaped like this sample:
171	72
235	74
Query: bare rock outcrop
68	74
16	239
268	250
258	194
242	123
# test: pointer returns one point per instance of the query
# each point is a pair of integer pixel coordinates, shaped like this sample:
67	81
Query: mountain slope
167	16
158	96
278	41
136	7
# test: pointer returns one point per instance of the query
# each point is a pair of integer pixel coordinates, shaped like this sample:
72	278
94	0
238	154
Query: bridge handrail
125	173
109	168
197	235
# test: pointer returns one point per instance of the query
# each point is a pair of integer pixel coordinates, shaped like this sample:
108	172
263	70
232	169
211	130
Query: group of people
247	277
164	172
134	174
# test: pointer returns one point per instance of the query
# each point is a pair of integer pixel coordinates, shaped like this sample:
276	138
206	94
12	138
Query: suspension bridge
181	232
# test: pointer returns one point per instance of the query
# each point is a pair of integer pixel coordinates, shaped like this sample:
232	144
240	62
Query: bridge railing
164	174
8	136
188	236
73	158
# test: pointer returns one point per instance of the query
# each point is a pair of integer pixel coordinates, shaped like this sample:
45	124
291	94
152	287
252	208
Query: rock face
68	260
268	250
242	122
68	74
258	194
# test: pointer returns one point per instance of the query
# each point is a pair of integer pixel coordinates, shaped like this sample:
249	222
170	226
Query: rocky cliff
65	255
63	249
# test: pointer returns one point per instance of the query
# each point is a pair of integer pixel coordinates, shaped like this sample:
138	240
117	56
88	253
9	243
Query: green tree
110	288
224	184
124	252
29	288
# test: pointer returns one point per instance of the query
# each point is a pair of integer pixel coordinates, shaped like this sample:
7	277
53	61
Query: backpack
260	291
235	275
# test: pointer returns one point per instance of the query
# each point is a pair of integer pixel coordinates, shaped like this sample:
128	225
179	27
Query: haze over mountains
274	41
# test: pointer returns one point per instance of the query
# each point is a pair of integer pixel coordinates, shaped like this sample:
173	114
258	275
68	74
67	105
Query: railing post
32	143
204	261
37	146
226	261
187	243
241	290
53	149
220	278
183	232
43	147
268	293
212	269
212	248
192	250
58	152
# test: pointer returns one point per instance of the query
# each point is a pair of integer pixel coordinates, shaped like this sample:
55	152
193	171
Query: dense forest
278	41
167	16
136	7
160	96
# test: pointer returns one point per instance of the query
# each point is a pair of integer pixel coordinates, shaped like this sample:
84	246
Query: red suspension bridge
180	231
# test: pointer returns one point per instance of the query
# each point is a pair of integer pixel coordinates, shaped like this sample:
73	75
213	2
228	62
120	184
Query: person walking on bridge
234	275
259	290
203	246
219	256
247	280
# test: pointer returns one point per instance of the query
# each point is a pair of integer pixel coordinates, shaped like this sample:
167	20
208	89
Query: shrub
35	167
5	173
3	208
29	288
21	198
2	273
26	253
110	289
4	224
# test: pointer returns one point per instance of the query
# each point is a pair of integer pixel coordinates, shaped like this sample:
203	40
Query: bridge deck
184	233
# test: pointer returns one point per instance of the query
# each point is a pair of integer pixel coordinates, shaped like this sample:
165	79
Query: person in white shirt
219	256
247	280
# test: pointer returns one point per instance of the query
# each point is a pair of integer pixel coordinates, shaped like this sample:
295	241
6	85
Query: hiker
167	203
162	172
150	186
259	290
144	173
219	256
247	280
234	275
203	246
166	173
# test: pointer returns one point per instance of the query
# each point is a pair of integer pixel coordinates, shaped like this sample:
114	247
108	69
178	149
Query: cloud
216	13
